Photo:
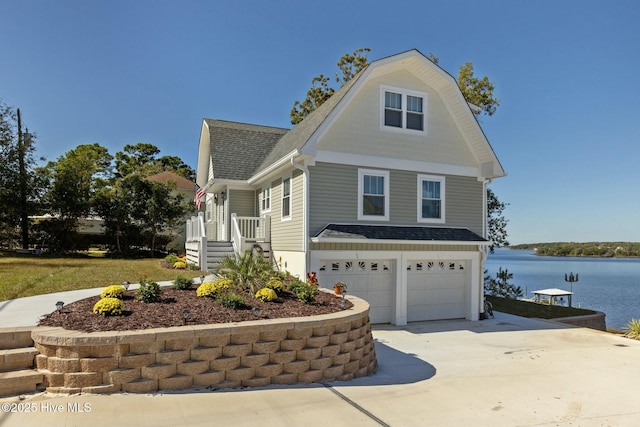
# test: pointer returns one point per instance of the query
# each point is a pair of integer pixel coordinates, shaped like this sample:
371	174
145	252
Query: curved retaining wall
329	347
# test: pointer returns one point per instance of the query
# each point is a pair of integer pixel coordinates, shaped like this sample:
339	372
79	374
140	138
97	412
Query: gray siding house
382	187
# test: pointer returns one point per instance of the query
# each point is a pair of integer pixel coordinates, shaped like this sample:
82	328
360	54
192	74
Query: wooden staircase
17	362
216	251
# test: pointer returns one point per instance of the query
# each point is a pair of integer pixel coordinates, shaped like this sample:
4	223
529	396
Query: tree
501	287
497	223
349	65
18	183
74	179
478	92
142	159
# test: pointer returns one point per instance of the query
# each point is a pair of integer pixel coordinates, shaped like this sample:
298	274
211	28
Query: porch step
15	337
17	361
216	251
21	381
17	358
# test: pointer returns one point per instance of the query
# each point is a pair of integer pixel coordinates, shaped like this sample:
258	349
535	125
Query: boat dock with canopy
552	296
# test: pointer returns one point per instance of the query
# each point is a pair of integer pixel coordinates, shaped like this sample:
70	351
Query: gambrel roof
239	151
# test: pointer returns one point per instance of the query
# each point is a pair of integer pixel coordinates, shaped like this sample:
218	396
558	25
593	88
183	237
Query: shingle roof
166	177
390	232
297	137
238	149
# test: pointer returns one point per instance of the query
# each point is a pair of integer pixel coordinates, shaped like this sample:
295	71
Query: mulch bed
79	316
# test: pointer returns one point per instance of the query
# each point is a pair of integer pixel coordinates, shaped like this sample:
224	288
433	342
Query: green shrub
266	294
304	291
632	329
171	259
149	292
248	270
180	265
182	283
231	300
192	266
113	291
109	307
276	285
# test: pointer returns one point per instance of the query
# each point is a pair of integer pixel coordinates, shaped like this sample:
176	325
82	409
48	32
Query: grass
23	276
531	309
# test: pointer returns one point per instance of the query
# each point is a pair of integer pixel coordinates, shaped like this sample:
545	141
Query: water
610	285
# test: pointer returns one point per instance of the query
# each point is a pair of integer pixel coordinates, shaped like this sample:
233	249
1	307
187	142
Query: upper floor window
286	198
403	109
431	194
373	194
265	199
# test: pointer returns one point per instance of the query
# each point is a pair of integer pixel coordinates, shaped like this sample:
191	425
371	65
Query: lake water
610	285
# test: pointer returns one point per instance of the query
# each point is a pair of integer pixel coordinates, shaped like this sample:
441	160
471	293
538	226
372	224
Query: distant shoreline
583	250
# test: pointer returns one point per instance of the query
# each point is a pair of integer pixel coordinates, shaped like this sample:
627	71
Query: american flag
200	193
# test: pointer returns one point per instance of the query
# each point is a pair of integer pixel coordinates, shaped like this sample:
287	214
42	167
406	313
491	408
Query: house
382	187
185	188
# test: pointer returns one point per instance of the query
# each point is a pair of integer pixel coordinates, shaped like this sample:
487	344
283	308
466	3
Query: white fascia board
391	163
234	184
273	168
398	242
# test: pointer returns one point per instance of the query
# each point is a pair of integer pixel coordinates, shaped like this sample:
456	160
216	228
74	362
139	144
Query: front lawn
22	276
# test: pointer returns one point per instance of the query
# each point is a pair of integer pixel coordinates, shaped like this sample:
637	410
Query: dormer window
403	109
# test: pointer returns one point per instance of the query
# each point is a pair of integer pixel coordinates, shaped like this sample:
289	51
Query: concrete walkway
507	371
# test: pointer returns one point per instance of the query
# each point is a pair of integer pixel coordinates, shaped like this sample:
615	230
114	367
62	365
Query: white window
265	199
431	192
373	195
286	198
403	109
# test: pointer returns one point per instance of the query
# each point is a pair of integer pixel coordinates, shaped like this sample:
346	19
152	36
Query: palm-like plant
248	270
632	329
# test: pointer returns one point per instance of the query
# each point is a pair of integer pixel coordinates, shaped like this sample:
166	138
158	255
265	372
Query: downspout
305	213
485	233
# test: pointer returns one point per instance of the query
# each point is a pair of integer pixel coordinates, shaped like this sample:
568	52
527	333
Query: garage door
371	280
437	290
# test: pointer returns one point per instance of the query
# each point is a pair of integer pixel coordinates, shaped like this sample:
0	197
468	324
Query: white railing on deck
248	230
196	241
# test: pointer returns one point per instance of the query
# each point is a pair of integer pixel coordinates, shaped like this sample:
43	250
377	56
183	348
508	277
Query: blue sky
567	131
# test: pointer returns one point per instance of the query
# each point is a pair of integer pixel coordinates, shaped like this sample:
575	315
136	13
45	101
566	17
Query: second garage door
371	280
437	290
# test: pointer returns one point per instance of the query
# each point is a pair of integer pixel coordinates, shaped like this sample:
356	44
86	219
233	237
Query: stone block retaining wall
593	321
329	347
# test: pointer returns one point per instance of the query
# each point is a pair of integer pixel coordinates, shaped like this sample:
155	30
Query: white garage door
437	290
371	280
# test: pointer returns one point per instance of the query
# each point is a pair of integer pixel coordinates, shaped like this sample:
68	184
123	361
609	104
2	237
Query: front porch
205	248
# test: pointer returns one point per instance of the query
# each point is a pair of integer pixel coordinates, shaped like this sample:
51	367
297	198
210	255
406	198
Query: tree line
584	249
85	182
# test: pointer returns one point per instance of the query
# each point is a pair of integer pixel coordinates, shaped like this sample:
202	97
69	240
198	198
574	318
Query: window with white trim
403	109
431	198
373	194
265	199
286	198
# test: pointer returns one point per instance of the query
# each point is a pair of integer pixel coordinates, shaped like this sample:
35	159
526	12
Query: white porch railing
246	231
196	241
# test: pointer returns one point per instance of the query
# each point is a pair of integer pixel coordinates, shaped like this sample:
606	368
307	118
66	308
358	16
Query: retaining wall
593	321
337	346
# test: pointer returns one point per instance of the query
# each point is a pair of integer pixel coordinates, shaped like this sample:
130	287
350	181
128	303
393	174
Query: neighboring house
382	187
186	189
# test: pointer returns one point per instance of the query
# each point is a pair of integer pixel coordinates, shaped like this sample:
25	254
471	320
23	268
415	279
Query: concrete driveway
507	371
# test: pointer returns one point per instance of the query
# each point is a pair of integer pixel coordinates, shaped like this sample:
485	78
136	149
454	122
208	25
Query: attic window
403	109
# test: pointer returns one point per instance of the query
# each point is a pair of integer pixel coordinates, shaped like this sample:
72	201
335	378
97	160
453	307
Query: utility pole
22	184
